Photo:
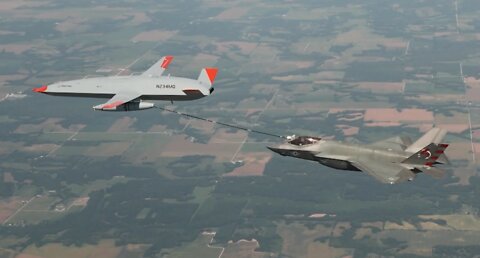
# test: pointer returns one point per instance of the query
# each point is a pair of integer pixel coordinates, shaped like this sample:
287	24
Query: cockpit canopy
304	140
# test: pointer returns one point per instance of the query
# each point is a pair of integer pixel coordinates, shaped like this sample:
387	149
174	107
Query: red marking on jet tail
166	62
212	73
40	89
443	145
429	164
112	105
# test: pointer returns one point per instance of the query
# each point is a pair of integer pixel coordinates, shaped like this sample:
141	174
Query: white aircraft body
129	93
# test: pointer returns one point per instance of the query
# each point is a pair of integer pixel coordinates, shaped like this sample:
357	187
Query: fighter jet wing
159	67
398	143
117	100
390	173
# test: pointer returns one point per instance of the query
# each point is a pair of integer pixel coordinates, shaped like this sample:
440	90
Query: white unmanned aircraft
128	93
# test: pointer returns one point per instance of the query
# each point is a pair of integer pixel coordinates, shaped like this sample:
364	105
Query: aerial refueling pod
129	106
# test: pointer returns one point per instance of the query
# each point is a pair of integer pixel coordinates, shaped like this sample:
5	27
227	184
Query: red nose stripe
40	89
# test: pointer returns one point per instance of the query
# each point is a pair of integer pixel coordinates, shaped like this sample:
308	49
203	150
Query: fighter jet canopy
304	140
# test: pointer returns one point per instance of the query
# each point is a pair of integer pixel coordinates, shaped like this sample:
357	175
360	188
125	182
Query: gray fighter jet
128	93
390	161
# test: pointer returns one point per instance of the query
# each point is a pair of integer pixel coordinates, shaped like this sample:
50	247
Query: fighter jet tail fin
207	76
428	156
434	135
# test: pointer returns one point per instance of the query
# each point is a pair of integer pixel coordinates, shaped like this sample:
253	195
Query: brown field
154	36
382	124
105	249
10	5
8	177
429	225
454	128
397	87
8	207
232	13
180	146
464	175
378	224
82	201
71	25
108	149
393	43
473	89
243	249
456	118
4	79
254	164
393	115
138	18
394	226
329	76
459	150
348	130
16	48
9	147
49	125
40	148
422	242
299	241
339	228
158	128
122	125
362	233
457	221
223	136
340	110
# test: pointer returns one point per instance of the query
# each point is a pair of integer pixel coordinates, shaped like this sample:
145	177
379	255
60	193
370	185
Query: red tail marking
434	157
443	145
212	73
40	89
439	152
166	62
429	164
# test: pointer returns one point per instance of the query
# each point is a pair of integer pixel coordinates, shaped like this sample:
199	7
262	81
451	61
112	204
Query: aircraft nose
40	89
276	150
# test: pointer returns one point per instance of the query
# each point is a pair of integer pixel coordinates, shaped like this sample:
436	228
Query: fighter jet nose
276	150
211	90
40	89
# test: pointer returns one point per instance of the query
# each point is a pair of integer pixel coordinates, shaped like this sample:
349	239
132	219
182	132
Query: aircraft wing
159	67
399	143
117	100
390	173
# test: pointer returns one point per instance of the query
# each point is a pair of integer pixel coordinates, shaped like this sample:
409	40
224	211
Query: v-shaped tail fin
434	135
429	155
